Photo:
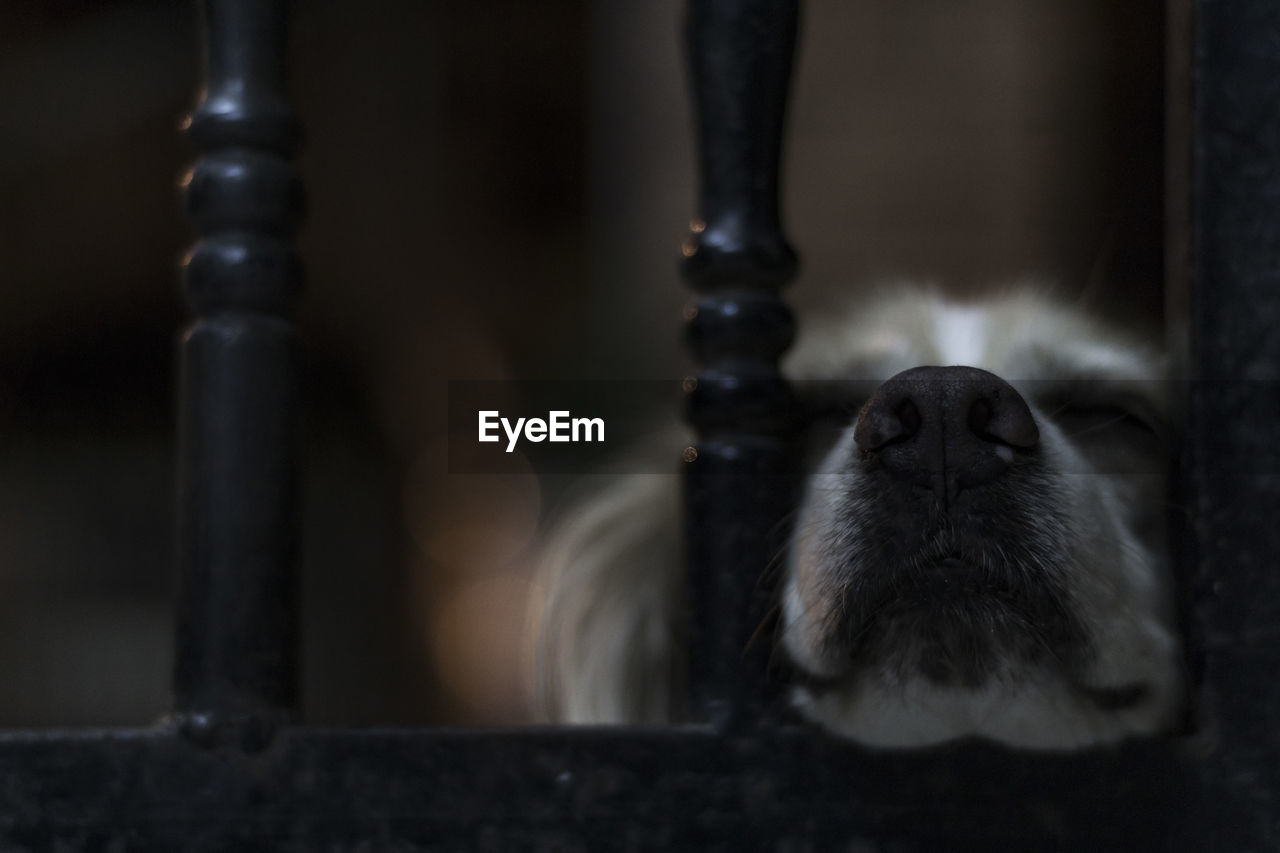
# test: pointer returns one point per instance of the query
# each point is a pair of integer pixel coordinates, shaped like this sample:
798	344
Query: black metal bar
737	259
238	403
596	789
1235	405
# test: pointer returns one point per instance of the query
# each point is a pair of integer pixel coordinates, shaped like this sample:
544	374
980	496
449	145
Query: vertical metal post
737	260
1235	405
238	402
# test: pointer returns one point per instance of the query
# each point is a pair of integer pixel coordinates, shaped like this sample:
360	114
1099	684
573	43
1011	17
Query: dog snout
945	428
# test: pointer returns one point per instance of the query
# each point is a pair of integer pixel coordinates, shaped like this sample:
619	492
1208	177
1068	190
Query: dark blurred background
497	190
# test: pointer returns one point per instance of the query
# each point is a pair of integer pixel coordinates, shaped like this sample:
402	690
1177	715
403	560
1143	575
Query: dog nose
945	428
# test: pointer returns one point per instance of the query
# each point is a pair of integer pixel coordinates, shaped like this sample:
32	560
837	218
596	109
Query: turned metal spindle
238	401
737	260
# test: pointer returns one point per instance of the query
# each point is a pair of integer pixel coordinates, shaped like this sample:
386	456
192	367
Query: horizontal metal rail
597	789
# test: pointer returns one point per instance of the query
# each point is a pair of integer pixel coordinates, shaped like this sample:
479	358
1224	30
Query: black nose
946	428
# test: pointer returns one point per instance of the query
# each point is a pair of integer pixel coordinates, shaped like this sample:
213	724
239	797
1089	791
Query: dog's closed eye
1115	425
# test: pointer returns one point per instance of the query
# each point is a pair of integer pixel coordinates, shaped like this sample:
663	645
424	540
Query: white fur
607	650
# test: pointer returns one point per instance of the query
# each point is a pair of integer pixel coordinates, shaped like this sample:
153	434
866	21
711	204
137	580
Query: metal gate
230	771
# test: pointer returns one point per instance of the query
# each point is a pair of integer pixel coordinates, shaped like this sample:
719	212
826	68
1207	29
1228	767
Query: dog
979	549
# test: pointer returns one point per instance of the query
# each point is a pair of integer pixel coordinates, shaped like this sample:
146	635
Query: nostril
880	424
1005	418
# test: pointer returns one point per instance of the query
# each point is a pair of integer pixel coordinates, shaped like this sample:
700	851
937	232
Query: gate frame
230	771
